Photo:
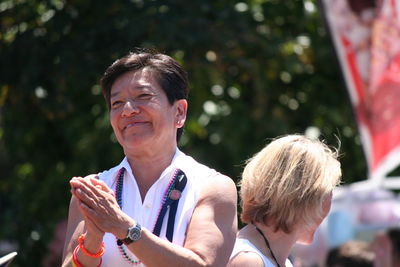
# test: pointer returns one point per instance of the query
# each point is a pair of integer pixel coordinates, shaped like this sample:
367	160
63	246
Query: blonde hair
287	181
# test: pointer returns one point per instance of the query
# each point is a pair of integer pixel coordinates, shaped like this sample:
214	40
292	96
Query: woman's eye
145	96
116	104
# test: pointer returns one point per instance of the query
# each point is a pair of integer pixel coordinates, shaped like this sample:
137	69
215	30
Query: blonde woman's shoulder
246	259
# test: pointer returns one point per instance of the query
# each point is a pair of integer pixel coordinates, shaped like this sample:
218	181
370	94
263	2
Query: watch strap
136	230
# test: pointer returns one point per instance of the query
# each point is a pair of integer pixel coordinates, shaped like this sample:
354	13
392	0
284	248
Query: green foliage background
258	69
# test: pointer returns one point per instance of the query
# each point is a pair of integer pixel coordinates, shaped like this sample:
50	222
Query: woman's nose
129	108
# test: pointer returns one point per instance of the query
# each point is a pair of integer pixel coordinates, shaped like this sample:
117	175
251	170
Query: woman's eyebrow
140	88
114	94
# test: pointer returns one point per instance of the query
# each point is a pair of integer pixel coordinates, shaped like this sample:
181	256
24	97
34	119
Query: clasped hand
99	207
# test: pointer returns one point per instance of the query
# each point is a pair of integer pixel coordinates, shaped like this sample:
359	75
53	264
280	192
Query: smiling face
140	114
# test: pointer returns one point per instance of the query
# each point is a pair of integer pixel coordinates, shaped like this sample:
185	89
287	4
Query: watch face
135	232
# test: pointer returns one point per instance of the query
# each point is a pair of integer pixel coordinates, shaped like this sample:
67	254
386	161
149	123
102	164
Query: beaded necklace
170	194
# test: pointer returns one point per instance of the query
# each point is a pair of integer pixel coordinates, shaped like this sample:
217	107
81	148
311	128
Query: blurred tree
258	69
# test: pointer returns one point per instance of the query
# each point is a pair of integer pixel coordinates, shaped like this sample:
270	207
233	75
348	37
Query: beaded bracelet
81	240
75	262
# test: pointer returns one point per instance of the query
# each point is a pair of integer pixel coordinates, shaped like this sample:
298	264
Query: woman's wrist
83	254
82	247
121	230
93	242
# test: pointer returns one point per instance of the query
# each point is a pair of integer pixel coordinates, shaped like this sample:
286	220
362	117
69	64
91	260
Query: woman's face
140	114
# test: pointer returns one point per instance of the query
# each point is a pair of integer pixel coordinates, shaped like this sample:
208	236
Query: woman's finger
85	186
104	195
103	186
87	212
86	197
95	188
90	187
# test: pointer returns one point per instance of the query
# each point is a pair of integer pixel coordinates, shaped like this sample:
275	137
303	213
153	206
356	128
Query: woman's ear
181	110
326	204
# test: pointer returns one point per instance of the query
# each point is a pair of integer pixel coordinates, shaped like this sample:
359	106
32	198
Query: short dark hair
351	254
394	235
168	72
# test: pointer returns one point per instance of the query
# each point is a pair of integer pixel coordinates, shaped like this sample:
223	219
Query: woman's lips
132	124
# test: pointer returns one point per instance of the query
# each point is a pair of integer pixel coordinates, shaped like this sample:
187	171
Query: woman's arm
210	234
77	225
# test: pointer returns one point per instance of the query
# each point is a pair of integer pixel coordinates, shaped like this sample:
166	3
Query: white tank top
244	245
146	213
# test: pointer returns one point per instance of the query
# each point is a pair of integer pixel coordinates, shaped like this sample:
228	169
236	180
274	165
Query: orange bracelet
75	262
81	240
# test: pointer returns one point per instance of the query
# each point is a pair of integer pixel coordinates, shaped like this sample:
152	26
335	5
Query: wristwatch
134	234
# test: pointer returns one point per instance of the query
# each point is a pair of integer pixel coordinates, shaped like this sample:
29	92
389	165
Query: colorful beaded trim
118	196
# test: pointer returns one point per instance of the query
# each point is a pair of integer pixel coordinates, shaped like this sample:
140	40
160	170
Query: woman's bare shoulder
246	259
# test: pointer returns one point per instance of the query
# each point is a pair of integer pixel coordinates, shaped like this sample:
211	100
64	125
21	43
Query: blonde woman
286	192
